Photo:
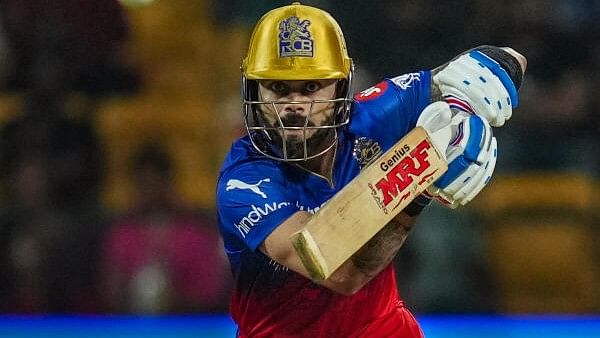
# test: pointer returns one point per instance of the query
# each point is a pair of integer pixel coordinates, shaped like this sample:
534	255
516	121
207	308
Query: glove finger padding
480	179
472	158
479	80
436	119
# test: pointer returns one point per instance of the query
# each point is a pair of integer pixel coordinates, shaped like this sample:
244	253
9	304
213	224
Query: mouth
296	126
297	135
296	121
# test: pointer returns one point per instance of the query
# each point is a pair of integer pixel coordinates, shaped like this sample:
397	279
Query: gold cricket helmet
297	42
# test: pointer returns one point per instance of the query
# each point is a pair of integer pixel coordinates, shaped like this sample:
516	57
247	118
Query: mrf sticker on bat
401	173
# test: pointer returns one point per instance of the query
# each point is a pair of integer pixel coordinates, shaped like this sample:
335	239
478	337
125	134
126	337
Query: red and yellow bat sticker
403	171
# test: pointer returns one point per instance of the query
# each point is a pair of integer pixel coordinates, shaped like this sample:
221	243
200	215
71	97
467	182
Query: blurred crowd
62	250
115	116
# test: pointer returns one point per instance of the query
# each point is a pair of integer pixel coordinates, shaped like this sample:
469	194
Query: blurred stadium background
116	115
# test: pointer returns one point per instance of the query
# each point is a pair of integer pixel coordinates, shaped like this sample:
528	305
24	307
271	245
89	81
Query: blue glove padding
483	83
471	157
467	143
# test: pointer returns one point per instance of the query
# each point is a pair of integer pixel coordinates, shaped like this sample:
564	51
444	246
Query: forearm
354	273
376	254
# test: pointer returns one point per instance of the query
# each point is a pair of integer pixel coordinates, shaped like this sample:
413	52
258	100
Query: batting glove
481	81
468	144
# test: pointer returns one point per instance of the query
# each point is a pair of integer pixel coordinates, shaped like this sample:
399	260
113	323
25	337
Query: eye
311	87
278	87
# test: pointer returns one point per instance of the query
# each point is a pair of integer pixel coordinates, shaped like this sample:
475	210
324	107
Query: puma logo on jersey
237	184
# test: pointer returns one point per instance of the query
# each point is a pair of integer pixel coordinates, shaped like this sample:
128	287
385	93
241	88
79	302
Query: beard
320	139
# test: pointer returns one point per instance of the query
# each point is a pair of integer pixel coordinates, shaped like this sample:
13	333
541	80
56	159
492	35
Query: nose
297	108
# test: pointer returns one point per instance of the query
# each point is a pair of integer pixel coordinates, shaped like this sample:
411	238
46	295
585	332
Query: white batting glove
481	81
436	118
470	148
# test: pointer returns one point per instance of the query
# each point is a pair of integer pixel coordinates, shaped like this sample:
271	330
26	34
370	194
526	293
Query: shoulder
243	161
405	94
389	88
241	151
389	109
246	176
254	195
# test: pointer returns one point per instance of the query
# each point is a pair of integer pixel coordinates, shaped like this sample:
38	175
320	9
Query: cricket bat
364	206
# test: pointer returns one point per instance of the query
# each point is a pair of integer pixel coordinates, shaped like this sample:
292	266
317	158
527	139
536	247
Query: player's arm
377	253
239	211
371	259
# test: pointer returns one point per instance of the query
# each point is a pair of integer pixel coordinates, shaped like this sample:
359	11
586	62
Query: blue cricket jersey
256	194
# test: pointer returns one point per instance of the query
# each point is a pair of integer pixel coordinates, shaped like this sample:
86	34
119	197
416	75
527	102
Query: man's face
292	105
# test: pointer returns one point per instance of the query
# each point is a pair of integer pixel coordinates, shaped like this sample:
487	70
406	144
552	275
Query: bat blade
364	206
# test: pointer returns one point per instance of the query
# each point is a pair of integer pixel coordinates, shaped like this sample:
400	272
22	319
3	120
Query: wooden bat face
364	206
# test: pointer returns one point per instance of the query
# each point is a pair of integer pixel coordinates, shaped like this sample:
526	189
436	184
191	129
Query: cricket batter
308	137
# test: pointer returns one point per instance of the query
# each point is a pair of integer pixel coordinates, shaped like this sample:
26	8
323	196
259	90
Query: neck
321	165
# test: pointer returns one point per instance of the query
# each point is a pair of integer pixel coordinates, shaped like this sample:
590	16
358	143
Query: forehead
296	83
